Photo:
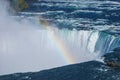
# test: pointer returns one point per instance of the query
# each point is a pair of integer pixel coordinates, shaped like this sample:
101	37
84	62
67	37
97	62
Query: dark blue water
91	25
80	15
97	15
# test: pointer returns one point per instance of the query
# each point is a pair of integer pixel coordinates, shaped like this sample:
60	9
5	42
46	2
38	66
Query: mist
25	46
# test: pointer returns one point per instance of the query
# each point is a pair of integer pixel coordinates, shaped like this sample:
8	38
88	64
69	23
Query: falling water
26	46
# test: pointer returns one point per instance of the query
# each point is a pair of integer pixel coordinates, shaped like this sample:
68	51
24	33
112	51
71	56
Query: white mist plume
9	23
25	47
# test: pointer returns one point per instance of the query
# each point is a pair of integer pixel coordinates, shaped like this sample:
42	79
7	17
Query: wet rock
19	5
117	49
113	58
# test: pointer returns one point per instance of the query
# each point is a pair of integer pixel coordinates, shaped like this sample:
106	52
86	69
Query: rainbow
59	44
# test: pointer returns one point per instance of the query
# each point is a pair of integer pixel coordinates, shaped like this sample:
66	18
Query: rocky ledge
113	58
19	5
92	70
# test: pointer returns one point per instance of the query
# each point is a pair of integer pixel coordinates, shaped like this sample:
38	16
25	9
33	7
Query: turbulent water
95	14
100	18
88	29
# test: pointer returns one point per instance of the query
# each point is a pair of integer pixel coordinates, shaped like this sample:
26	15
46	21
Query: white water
24	46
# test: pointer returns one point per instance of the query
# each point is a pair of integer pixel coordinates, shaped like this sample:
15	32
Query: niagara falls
60	40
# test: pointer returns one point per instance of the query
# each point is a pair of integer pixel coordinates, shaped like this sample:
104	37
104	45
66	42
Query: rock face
113	59
19	5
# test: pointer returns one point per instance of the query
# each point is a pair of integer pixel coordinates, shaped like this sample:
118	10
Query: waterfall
25	46
107	43
95	42
101	42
